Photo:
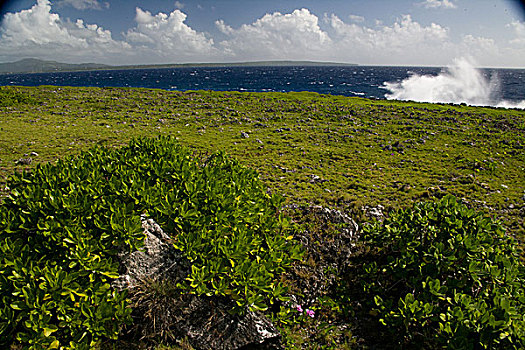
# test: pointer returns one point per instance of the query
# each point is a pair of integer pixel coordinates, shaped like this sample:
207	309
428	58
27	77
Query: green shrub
63	225
10	96
444	275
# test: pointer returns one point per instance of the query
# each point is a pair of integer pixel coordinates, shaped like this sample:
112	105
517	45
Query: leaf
110	274
49	330
259	306
15	306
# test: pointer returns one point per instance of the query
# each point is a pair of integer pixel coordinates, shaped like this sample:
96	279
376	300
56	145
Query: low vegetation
443	273
64	224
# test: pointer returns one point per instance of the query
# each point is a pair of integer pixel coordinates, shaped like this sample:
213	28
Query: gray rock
158	258
244	135
215	328
374	212
24	161
280	130
316	179
161	310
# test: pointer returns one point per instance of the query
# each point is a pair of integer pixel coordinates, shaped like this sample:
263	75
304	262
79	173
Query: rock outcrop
161	311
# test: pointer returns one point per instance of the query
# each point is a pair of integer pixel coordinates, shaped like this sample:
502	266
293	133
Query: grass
341	152
364	152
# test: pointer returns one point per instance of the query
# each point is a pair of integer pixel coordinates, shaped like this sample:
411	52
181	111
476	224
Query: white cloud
446	4
37	32
404	42
166	38
161	38
179	5
224	28
483	49
356	18
513	53
519	32
296	35
481	43
83	4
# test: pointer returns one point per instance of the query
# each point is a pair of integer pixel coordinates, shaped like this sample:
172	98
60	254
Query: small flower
299	308
310	313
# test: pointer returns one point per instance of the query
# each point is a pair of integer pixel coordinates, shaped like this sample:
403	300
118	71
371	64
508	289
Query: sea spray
461	82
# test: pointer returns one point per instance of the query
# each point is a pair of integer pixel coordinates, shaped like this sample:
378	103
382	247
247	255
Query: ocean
461	83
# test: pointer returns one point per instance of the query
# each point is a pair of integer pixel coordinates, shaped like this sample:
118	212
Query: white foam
461	82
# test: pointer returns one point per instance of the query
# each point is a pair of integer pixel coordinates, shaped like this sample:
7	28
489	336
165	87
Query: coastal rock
162	311
24	161
316	179
158	258
374	212
280	130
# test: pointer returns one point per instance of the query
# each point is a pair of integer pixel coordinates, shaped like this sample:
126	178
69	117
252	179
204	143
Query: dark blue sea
459	84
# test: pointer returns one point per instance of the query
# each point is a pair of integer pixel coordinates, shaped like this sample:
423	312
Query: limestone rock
374	212
158	258
163	312
24	161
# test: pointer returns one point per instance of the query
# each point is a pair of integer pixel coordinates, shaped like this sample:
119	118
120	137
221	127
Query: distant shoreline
31	65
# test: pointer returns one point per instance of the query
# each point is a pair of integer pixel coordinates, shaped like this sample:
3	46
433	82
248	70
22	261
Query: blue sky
373	32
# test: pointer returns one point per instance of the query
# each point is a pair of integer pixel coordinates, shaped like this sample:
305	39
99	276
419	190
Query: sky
366	32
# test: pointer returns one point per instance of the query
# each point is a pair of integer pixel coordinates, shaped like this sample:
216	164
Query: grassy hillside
329	150
345	153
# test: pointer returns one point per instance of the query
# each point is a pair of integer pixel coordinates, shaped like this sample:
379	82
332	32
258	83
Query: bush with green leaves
63	225
442	275
11	97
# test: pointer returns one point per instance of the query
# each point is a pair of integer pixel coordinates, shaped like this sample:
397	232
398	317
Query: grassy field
340	152
315	149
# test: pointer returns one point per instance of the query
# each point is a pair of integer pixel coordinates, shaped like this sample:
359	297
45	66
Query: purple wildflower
310	313
299	308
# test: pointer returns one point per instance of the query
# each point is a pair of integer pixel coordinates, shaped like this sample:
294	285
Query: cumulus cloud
37	32
519	31
179	5
295	35
404	42
167	37
483	49
84	4
513	53
432	4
